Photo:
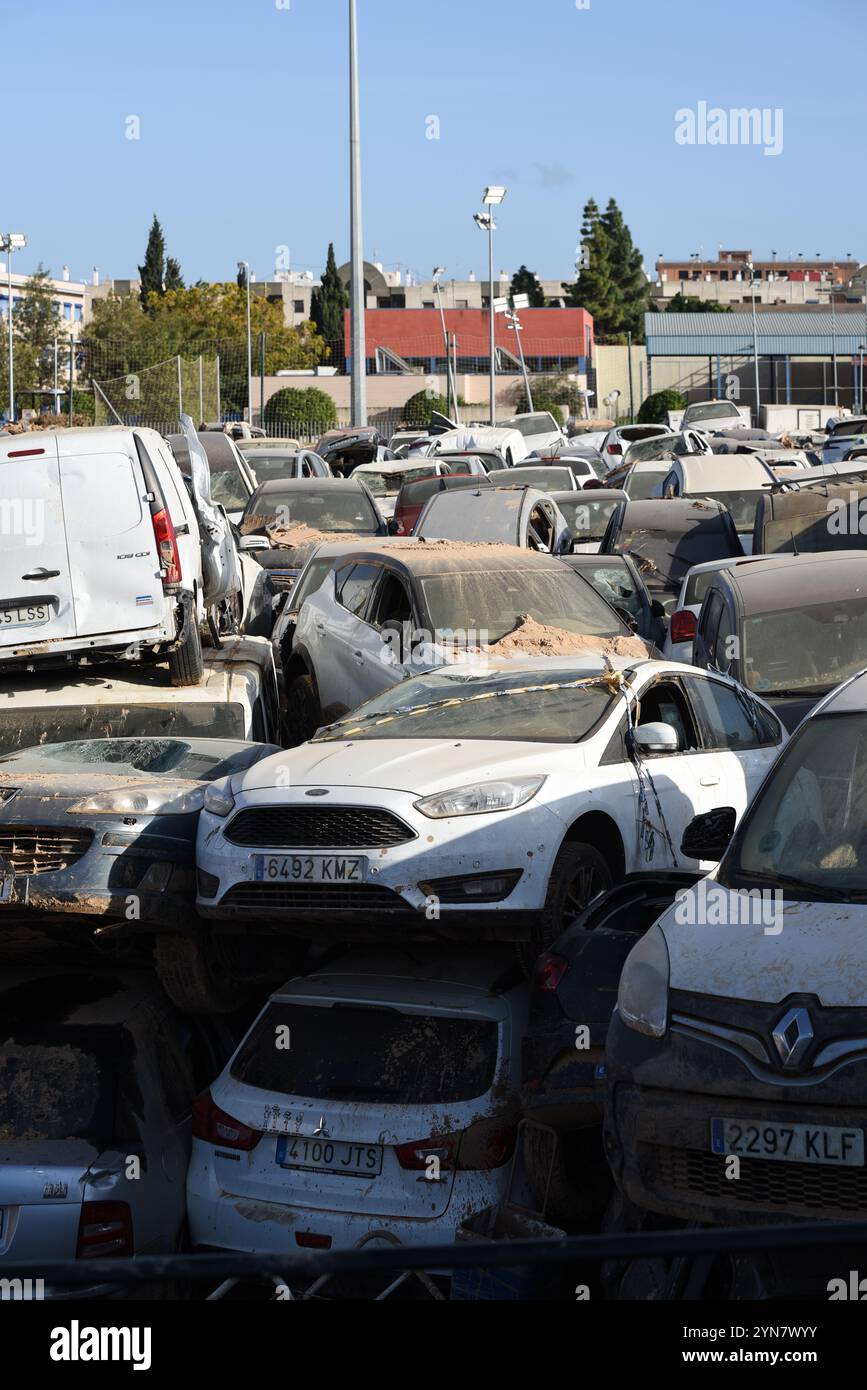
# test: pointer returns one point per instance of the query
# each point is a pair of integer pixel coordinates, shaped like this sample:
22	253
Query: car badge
320	791
793	1036
55	1190
321	1130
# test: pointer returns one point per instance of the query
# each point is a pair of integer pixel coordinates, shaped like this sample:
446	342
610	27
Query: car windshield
559	706
27	728
204	760
365	1053
612	579
331	510
809	648
642	483
719	411
664	557
742	506
60	1083
546	478
813	533
271	467
588	520
533	424
390	484
655	448
848	429
807	831
492	601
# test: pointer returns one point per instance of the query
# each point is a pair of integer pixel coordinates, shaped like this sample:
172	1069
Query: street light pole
358	306
516	324
751	268
453	394
834	335
12	241
493	197
245	266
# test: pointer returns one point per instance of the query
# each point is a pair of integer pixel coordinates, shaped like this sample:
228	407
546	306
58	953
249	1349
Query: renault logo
793	1036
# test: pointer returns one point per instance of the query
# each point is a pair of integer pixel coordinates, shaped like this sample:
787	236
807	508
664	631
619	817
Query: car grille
362	899
762	1185
41	849
318	827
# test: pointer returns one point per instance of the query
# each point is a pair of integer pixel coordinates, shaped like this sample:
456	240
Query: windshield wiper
821	890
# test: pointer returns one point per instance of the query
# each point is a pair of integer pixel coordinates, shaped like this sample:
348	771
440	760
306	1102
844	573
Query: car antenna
795	549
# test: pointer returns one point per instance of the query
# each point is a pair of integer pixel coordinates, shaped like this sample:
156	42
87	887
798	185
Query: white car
540	429
106	552
510	443
391	1106
617	441
712	415
385	480
735	480
491	799
741	1017
683	624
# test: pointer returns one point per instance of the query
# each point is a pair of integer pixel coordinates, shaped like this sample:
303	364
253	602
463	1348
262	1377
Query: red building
553	340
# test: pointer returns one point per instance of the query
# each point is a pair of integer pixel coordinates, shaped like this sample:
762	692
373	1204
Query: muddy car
522	516
289	517
667	537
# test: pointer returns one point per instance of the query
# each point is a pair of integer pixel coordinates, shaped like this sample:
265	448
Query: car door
392	603
35	584
113	563
357	660
741	739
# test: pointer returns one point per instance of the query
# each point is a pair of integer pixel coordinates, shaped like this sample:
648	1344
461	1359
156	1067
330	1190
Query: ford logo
320	791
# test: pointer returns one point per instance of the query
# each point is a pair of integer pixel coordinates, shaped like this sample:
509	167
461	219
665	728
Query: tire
578	875
186	663
192	978
580	1182
303	712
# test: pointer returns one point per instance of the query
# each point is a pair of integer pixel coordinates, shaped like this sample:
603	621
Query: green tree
594	288
654	410
307	410
526	281
174	279
36	323
689	304
153	273
330	302
630	284
418	409
242	277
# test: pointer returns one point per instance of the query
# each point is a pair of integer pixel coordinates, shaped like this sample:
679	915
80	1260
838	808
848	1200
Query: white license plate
842	1148
31	615
330	1156
309	868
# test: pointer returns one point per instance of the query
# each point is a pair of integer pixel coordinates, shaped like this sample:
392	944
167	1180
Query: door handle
36	575
710	781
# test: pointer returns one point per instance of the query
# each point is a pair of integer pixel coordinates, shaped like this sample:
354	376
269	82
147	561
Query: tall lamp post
492	198
521	301
751	268
245	266
358	298
11	241
439	271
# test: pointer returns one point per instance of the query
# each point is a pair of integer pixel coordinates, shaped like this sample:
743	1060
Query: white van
102	554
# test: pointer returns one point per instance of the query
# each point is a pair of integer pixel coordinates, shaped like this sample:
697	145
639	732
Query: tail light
684	626
486	1144
309	1240
167	547
549	972
615	449
216	1127
104	1230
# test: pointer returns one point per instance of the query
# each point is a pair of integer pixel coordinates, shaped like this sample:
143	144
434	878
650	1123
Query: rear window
664	557
100	497
346	1052
27	728
60	1084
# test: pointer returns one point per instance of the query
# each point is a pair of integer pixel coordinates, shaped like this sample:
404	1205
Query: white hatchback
377	1096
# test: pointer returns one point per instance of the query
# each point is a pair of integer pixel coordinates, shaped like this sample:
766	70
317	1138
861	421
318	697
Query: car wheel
572	1185
186	663
579	875
303	712
189	972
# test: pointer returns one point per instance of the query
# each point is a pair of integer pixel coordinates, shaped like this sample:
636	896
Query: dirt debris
531	638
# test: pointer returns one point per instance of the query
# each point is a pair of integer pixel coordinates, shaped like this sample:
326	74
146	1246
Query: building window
428	304
77	312
299	306
67	311
683	274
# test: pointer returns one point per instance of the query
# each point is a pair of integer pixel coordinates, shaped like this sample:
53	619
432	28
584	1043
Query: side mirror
709	835
657	609
655	739
393	525
251	543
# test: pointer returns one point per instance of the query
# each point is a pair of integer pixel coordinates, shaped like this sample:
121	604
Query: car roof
663	513
724	473
588	495
435	557
824	575
317	485
849	698
488	968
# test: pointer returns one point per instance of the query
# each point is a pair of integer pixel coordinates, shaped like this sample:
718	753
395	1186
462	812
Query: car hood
48	787
420	766
765	954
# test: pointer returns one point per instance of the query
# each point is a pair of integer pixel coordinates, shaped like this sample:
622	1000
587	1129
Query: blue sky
243	113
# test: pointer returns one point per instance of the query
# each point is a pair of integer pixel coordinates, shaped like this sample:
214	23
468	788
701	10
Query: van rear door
35	588
113	561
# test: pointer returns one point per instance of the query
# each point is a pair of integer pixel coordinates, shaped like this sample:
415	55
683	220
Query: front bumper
403	884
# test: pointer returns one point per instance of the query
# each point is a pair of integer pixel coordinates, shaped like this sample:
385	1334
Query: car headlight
642	999
481	798
143	801
219	798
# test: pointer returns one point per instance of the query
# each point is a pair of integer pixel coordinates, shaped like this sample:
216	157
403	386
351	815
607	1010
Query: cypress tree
329	302
152	274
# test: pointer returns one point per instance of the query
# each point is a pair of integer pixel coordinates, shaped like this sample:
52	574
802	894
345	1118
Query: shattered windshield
29	728
493	601
513	706
664	557
808	649
204	760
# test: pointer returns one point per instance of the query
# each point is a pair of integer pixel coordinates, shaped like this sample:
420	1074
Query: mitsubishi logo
793	1036
321	1130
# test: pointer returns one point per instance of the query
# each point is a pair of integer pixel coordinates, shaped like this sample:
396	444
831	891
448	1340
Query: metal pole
219	391
358	305
71	371
9	319
834	347
455	375
180	388
516	324
249	355
262	379
453	395
201	392
493	318
56	400
756	351
631	383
